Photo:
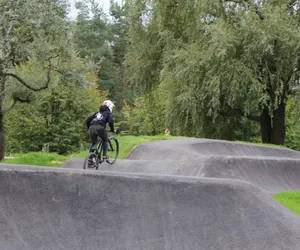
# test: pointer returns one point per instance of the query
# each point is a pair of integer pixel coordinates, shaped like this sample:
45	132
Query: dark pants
94	132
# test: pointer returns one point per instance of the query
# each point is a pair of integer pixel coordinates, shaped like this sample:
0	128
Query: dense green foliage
219	60
103	41
146	117
36	33
54	122
214	69
53	118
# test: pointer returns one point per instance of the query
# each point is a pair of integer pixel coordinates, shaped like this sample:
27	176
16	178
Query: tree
219	58
35	28
145	116
103	40
55	117
119	29
93	39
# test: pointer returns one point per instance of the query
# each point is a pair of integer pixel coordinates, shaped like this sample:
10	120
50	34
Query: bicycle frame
98	152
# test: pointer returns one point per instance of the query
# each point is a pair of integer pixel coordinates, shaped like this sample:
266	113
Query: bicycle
97	159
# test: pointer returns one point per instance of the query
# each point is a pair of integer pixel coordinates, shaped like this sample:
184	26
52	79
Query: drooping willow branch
238	112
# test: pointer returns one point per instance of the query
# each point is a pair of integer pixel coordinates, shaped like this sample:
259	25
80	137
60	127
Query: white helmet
109	104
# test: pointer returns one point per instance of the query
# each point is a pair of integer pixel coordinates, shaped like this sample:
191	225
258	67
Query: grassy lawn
38	159
127	143
290	200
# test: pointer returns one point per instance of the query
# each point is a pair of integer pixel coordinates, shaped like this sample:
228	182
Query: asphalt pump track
184	194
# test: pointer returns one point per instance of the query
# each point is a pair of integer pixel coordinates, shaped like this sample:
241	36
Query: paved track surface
271	169
168	195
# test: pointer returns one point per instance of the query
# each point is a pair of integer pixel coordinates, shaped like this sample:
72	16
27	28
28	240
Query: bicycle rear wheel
86	164
113	150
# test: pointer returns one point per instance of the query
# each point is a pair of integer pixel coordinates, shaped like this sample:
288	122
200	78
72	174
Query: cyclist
96	125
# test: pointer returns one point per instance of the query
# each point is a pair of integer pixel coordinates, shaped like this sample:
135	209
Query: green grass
290	200
37	159
127	143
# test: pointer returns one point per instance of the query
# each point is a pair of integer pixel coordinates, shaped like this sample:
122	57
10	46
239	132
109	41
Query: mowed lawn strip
290	200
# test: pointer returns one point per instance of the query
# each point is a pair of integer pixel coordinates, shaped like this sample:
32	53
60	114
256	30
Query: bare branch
236	1
28	86
253	117
238	112
57	70
16	99
52	57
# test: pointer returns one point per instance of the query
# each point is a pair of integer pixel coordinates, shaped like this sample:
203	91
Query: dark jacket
101	118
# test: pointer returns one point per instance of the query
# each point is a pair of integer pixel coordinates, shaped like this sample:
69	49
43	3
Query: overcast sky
104	3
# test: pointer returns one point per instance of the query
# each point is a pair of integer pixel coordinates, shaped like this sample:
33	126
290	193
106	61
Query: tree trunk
2	134
278	131
265	126
2	138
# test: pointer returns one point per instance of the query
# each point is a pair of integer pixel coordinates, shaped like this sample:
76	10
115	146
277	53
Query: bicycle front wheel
113	150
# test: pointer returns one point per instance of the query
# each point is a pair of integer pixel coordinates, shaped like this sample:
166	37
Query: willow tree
253	58
227	58
259	62
30	29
